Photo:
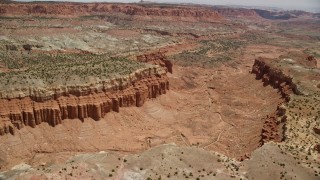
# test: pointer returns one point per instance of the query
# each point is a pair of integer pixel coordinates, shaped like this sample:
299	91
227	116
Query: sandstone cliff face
19	112
6	126
45	93
31	107
78	9
273	127
157	58
274	77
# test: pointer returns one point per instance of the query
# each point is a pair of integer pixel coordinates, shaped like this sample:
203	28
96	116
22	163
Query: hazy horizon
307	5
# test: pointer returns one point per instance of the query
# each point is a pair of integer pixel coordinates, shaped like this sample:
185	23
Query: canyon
149	91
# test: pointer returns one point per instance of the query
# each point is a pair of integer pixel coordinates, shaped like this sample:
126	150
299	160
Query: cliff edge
85	101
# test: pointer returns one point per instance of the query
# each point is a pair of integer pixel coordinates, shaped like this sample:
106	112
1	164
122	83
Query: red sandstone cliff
87	102
274	77
273	127
80	9
157	58
17	113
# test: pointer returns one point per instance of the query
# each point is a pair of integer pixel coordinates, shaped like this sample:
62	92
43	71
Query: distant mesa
179	13
273	15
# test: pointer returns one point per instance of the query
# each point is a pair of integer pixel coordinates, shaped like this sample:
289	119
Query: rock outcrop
274	77
180	13
317	148
6	126
45	93
273	128
31	107
157	58
316	129
20	112
311	61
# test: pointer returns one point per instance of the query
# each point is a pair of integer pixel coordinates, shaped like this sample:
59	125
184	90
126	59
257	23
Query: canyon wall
274	124
157	58
53	105
44	93
275	78
19	112
81	9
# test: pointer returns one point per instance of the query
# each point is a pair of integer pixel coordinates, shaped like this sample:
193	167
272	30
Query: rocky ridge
17	113
286	78
82	9
275	77
273	127
41	94
294	125
84	101
157	58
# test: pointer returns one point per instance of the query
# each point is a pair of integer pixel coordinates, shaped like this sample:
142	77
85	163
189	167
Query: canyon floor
149	91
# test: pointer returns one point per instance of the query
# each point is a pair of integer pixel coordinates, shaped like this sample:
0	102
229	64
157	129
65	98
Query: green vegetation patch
24	69
221	45
194	59
210	53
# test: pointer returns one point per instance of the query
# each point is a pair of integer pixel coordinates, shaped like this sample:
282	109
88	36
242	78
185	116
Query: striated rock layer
157	58
20	112
80	9
45	93
275	78
273	127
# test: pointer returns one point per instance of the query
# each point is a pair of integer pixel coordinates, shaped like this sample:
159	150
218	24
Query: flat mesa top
22	70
